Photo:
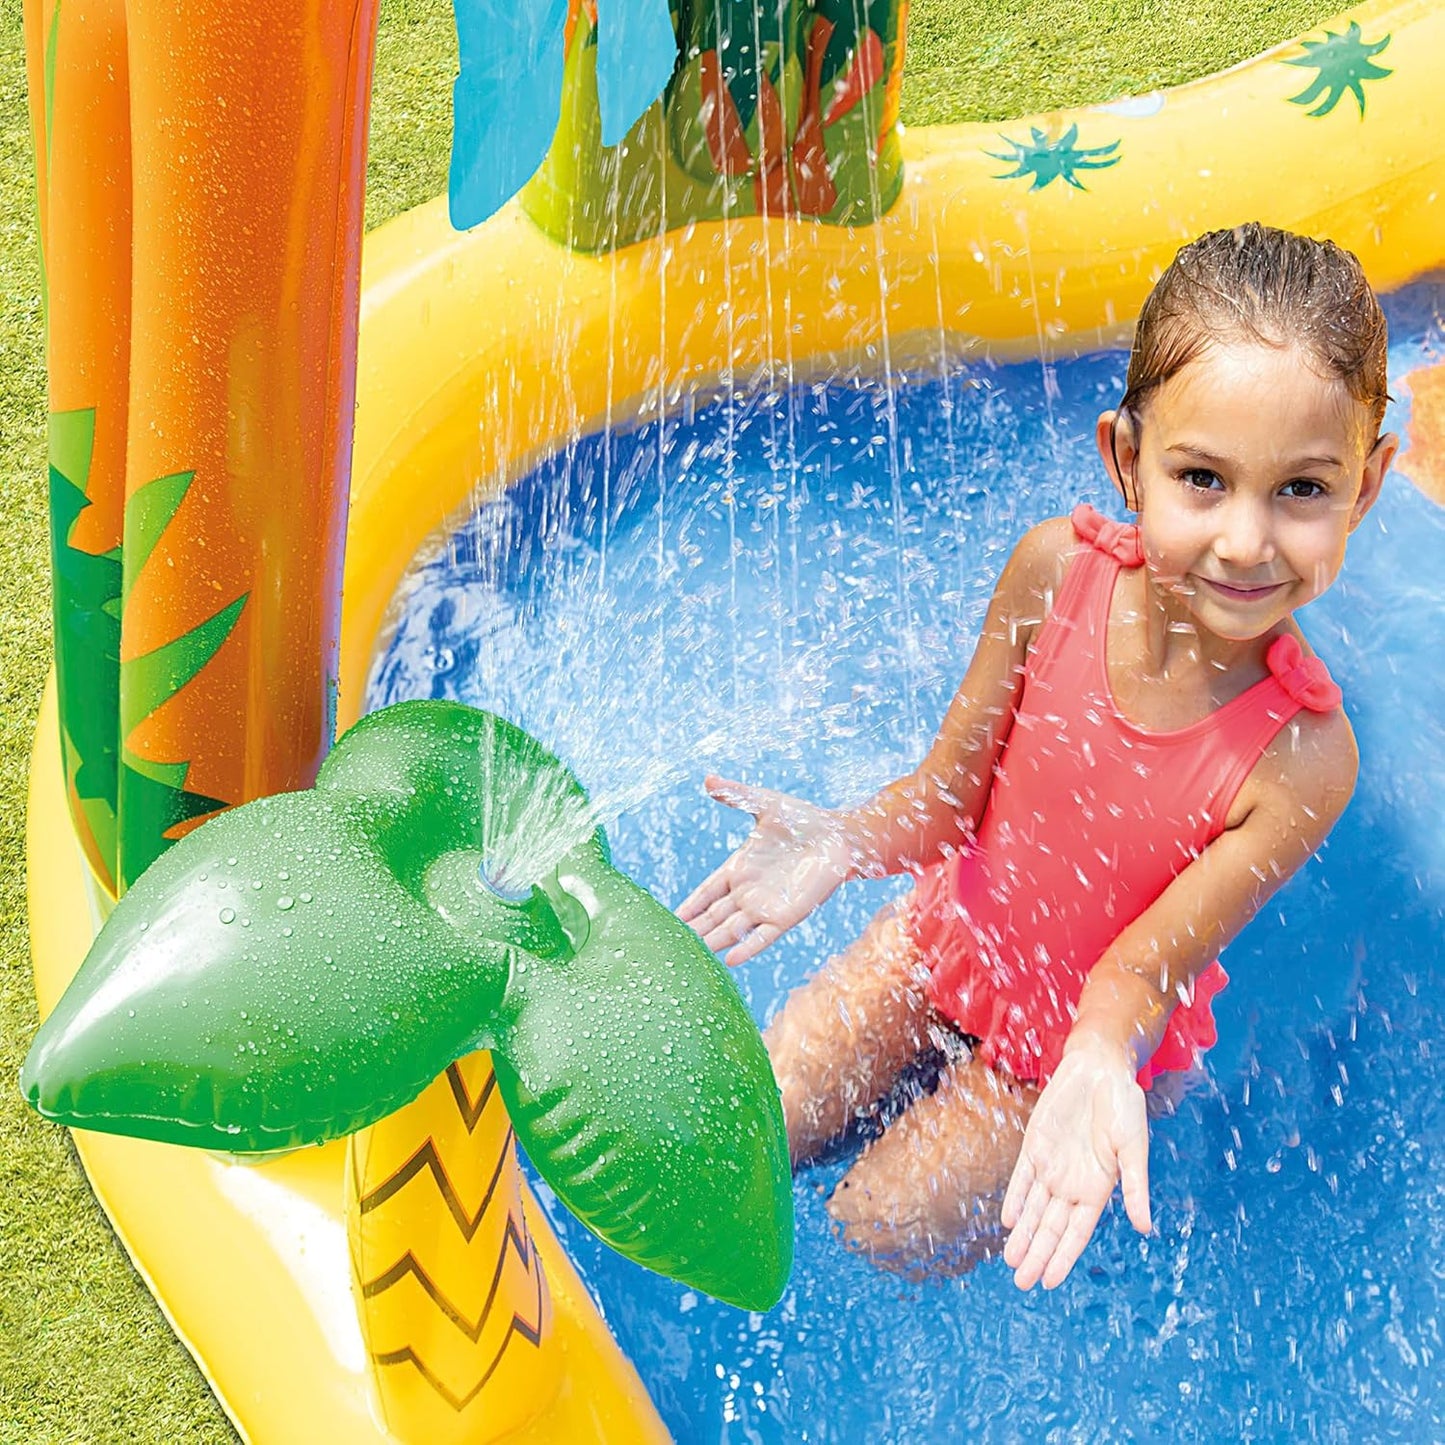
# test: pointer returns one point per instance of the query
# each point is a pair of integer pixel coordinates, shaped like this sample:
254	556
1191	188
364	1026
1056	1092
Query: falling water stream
784	587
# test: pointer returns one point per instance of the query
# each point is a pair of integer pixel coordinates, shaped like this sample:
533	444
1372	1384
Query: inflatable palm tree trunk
201	350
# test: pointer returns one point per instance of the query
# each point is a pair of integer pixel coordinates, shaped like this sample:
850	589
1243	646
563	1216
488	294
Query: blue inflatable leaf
636	54
506	100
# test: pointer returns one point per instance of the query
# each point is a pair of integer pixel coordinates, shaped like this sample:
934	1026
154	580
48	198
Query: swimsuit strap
1119	540
1089	576
1252	721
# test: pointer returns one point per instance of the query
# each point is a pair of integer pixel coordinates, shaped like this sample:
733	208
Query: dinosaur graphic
781	111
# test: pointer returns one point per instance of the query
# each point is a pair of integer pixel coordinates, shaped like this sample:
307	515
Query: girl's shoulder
1308	772
1034	573
1046	549
1042	556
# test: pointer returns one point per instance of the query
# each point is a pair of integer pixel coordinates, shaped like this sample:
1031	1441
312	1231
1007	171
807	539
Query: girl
1142	751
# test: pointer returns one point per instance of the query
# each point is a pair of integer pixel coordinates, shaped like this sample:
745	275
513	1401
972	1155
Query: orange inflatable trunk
249	139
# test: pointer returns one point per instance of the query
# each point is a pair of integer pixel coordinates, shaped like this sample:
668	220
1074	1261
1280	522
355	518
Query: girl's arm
798	853
1088	1129
912	822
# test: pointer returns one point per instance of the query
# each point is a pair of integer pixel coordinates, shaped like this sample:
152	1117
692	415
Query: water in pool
785	587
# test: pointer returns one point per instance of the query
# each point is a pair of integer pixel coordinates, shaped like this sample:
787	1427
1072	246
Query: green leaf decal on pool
157	676
1342	63
87	635
148	512
154	796
154	805
1051	160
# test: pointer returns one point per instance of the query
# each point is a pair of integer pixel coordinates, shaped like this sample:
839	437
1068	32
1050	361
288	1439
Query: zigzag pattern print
449	1285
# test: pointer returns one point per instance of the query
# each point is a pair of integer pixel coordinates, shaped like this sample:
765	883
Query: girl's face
1250	470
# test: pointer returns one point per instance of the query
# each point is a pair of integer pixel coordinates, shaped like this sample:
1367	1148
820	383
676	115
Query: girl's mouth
1253	593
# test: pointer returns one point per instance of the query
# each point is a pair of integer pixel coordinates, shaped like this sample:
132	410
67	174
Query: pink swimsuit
1089	819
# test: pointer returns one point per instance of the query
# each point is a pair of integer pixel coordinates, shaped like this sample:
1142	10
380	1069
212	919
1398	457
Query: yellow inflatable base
249	1261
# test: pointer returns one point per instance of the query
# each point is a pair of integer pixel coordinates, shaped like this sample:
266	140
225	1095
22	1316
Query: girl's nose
1245	537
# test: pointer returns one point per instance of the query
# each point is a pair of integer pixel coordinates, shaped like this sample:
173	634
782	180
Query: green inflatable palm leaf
300	967
639	1087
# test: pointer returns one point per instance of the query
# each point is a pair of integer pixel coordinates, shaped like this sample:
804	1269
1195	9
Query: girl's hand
1088	1130
794	858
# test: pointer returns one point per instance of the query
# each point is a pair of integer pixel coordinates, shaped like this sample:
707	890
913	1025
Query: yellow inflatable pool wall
315	1310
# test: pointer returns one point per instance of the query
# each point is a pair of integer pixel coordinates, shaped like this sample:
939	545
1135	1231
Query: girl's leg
842	1038
933	1184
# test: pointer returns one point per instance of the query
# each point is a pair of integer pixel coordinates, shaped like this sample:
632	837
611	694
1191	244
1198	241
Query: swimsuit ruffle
1191	1031
983	1005
1306	679
1119	539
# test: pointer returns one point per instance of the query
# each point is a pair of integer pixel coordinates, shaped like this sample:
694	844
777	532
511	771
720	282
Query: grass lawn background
85	1356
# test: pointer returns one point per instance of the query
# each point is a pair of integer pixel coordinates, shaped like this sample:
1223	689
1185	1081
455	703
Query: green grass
85	1356
990	59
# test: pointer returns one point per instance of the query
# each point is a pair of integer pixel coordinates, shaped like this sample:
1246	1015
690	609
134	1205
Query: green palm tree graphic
301	966
1342	63
1050	160
87	634
154	796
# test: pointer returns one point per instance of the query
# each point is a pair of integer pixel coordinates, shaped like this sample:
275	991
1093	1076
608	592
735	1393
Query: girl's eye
1304	487
1200	479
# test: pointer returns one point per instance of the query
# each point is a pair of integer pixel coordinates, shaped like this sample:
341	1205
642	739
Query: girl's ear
1376	465
1118	444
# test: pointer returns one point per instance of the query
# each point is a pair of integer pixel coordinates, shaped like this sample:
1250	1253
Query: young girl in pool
1143	749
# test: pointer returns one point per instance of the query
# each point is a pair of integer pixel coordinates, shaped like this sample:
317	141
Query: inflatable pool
972	323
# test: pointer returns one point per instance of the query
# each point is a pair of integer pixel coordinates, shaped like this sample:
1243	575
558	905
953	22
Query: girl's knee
944	1226
934	1182
866	1206
798	1094
805	1069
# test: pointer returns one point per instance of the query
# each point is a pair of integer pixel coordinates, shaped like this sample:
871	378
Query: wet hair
1258	283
